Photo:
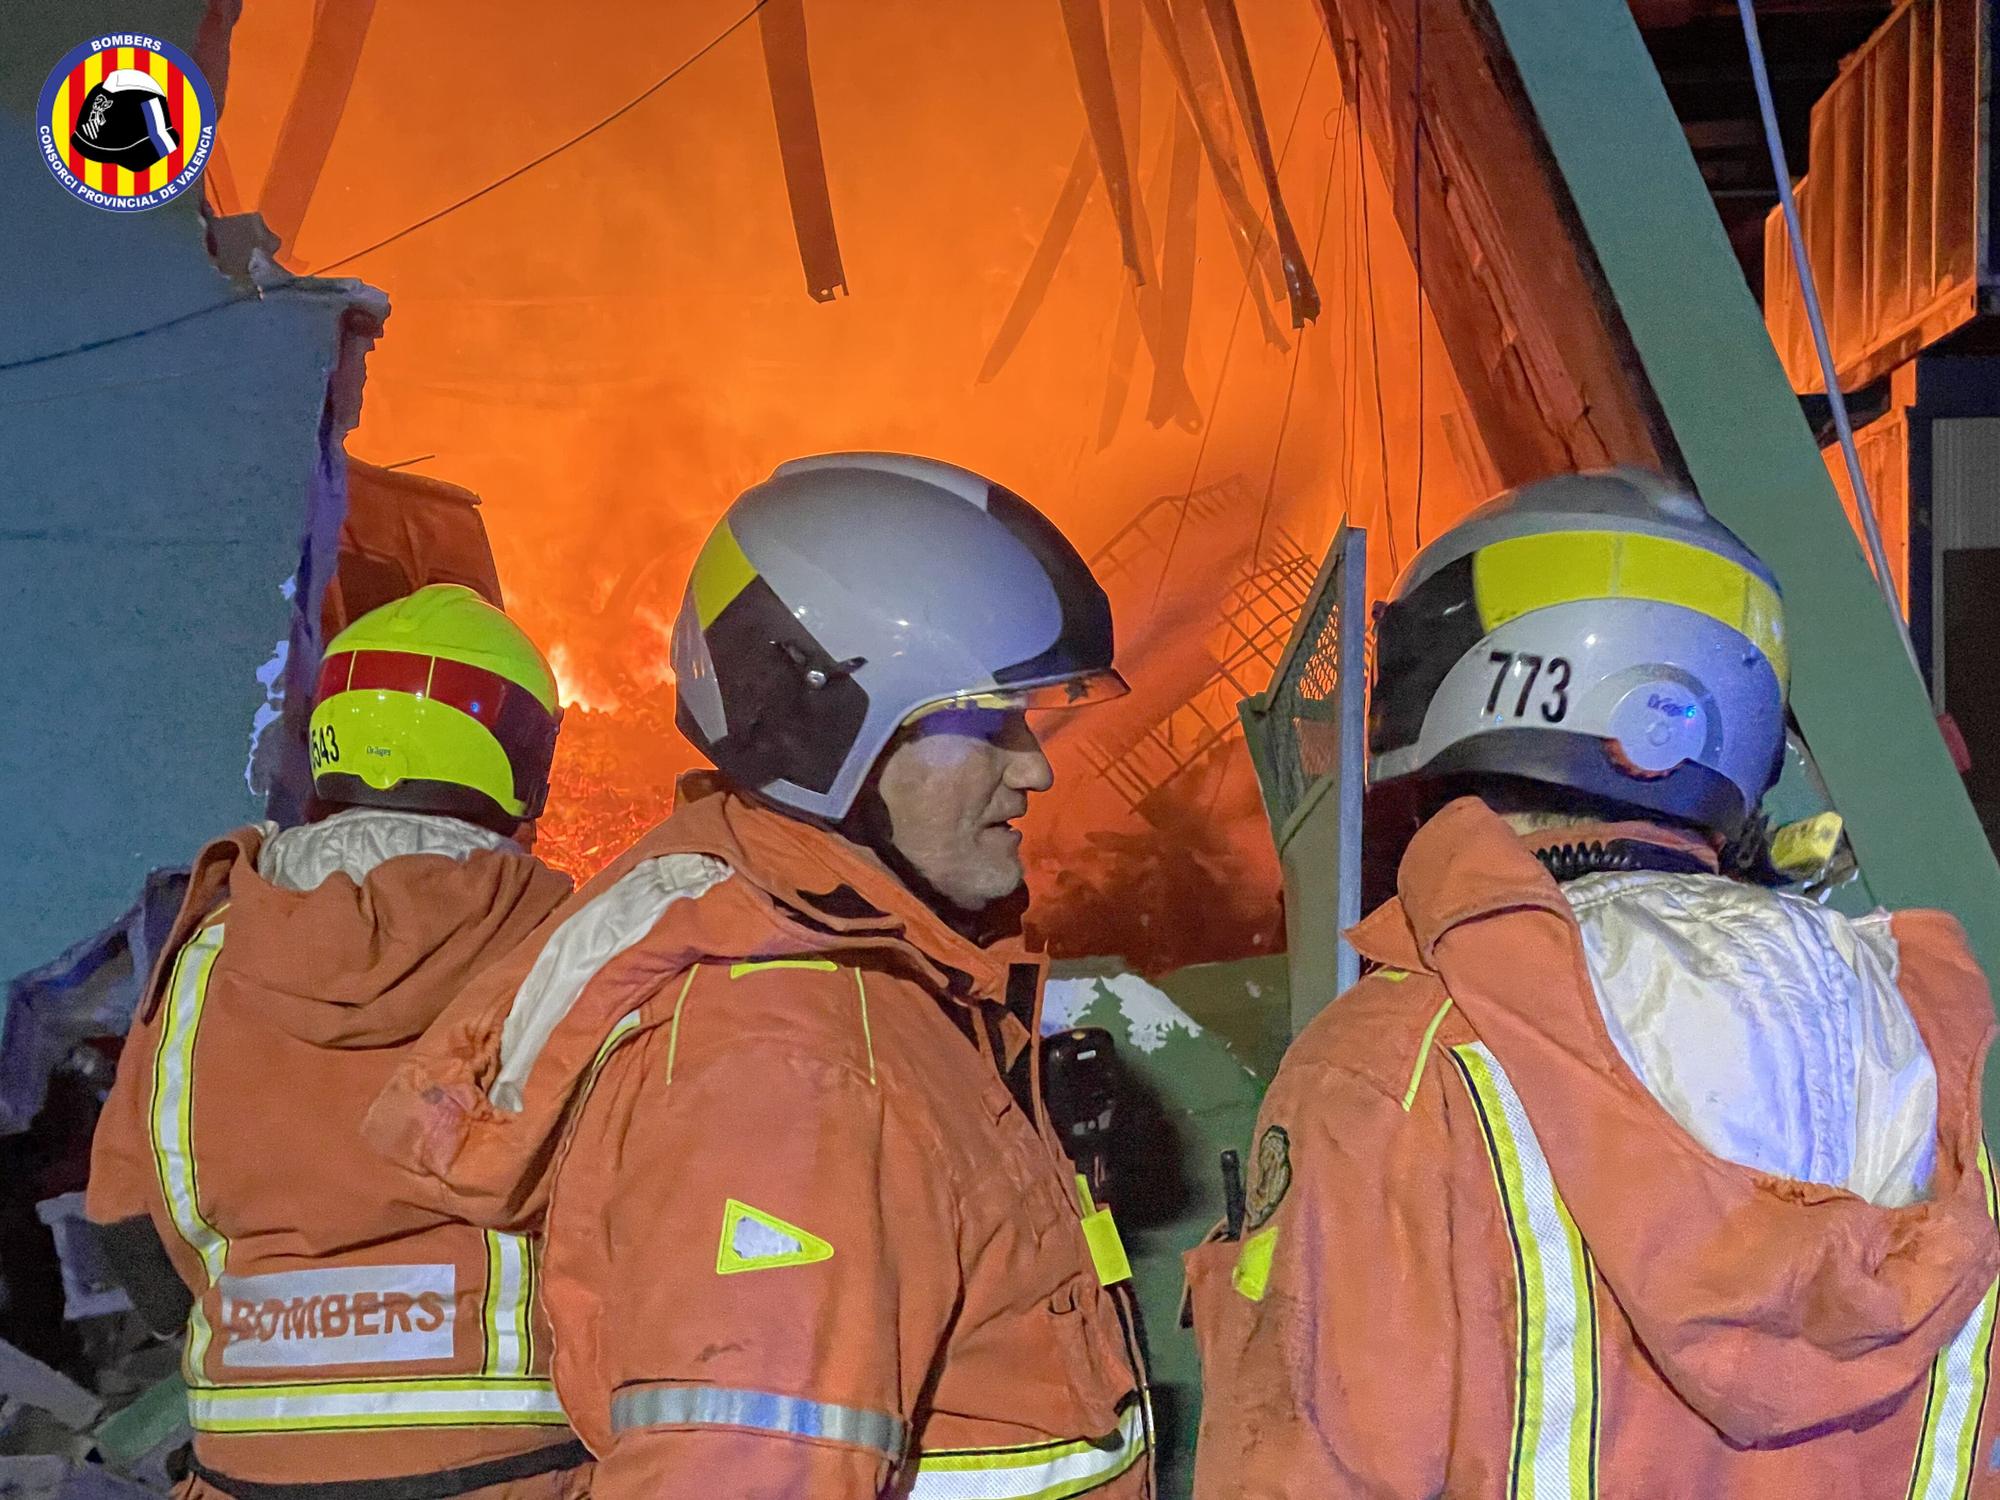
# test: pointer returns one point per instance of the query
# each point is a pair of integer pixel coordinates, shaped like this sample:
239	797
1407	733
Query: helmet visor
1078	691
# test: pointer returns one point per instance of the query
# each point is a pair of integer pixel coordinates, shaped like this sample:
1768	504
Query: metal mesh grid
1296	723
1256	619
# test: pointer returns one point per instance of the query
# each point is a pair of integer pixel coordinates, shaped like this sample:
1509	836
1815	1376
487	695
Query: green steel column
1699	336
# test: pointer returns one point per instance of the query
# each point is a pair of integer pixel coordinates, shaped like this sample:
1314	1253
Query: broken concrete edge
50	1476
25	1379
90	1290
48	1011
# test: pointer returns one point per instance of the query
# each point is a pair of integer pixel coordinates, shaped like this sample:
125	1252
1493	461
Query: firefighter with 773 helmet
1622	1171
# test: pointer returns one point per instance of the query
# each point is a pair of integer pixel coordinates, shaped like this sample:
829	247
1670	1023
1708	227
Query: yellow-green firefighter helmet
436	702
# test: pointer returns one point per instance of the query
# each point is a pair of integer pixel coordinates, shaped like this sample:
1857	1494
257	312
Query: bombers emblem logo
126	122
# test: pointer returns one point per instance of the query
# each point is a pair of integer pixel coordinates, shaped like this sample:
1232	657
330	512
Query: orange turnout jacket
803	1236
340	1332
1481	1259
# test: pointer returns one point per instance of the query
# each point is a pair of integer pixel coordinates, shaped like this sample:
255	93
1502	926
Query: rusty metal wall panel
1890	199
1535	340
1919	159
1884	449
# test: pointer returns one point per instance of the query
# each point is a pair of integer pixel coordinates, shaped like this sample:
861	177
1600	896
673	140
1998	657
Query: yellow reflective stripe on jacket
362	1404
823	965
1956	1399
627	1024
510	1286
1043	1471
1556	1413
172	1125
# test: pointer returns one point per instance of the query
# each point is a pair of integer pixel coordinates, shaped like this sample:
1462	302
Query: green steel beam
1646	215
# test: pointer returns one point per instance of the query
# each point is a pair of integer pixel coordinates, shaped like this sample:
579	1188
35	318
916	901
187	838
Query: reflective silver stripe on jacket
1955	1402
449	1401
760	1411
1557	1416
510	1275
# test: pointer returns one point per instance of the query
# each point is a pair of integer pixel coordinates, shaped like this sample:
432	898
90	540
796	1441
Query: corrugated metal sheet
1892	200
1965	482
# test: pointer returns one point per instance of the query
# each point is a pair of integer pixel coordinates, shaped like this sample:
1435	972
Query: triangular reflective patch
753	1240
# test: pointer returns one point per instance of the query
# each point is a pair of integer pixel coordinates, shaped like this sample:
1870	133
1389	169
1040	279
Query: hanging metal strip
1084	23
782	25
1228	27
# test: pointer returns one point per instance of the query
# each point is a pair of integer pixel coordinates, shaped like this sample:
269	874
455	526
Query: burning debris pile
613	780
1190	885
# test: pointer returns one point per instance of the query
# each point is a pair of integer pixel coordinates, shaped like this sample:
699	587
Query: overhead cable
581	136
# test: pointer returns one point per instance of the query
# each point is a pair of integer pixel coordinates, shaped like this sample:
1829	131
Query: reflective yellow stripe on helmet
1511	578
172	1126
1956	1398
1556	1399
721	572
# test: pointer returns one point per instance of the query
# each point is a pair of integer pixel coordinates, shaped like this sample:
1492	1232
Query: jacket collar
1467	863
829	889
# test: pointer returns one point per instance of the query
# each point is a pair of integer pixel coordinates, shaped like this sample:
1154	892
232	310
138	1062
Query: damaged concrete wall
160	428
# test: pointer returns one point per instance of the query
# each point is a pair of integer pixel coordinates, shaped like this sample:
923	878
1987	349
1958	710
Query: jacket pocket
1210	1297
1038	1323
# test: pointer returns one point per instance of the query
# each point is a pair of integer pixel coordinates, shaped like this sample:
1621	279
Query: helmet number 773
1554	702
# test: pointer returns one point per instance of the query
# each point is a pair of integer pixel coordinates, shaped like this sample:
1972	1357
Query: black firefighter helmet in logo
123	122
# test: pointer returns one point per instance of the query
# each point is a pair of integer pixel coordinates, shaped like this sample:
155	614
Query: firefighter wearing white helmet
1617	1174
774	1071
848	594
1601	634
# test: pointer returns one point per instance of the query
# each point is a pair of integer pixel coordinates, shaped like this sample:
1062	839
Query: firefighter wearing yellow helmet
334	1326
436	703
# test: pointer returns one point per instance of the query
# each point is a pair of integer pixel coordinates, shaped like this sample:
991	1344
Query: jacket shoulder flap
806	1005
1381	1030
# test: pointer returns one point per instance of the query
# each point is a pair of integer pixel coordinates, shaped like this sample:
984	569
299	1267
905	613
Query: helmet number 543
1554	701
325	748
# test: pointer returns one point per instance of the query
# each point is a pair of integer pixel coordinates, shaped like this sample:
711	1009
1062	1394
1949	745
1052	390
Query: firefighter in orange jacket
1619	1174
772	1076
343	1343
